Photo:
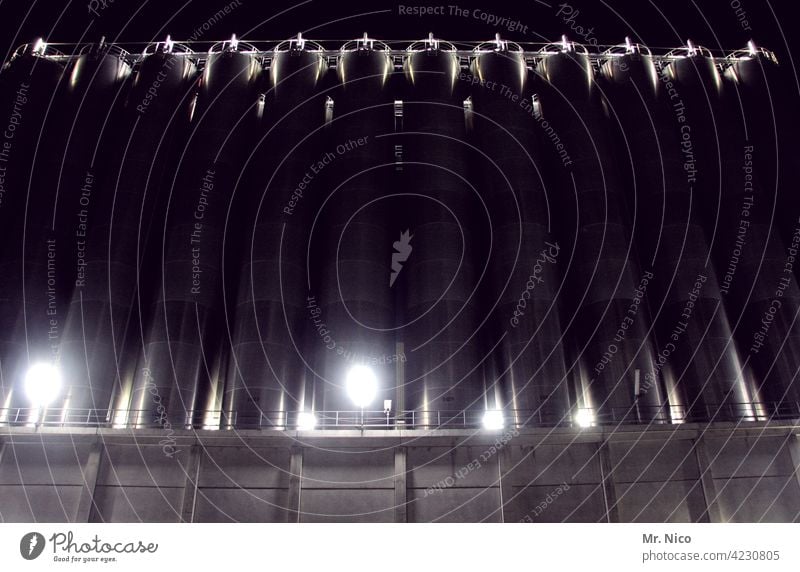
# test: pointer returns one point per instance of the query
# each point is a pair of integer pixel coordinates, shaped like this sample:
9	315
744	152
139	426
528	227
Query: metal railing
264	50
411	419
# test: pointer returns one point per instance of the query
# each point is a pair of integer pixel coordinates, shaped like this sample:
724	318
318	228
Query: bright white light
362	385
42	384
493	419
367	42
433	43
40	46
168	44
584	418
234	42
306	421
628	45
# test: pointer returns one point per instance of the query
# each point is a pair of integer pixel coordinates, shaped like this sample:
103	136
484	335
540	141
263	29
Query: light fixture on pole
361	385
42	384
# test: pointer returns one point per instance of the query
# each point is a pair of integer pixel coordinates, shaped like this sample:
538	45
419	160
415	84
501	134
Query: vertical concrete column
192	470
400	484
793	444
607	481
2	450
295	483
711	512
90	473
505	461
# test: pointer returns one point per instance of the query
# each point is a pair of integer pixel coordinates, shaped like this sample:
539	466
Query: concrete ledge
717	472
398	437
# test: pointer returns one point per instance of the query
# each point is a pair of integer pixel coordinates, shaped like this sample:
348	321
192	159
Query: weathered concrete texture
41	481
448	484
689	473
755	478
347	485
242	484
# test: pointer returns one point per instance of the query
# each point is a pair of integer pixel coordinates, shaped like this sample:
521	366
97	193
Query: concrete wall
685	473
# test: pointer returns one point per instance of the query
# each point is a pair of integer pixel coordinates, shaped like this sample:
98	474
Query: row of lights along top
299	43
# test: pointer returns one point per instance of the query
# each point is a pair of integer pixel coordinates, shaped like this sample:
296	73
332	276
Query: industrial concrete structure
690	473
552	265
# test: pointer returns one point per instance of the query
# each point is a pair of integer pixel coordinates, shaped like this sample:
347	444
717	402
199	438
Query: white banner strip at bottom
346	547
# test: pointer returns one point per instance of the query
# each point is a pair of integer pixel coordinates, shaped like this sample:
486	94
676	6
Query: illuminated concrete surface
689	473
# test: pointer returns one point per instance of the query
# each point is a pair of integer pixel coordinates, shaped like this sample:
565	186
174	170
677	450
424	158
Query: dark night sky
656	23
